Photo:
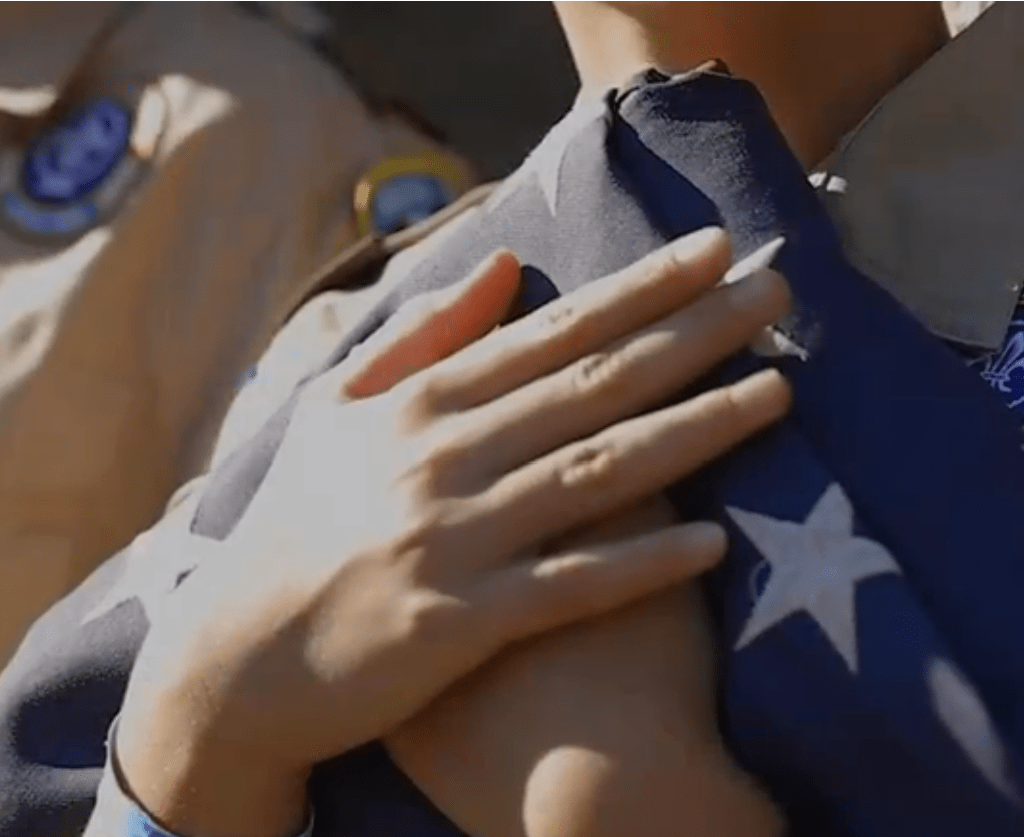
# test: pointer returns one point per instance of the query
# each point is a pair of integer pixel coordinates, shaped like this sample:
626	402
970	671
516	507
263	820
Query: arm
597	730
632	762
197	791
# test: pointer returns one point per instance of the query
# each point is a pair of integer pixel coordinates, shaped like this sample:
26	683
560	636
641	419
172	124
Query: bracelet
122	814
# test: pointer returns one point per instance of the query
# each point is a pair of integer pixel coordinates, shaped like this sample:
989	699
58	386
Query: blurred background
461	65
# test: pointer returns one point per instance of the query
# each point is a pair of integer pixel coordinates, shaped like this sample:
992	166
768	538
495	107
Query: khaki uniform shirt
128	318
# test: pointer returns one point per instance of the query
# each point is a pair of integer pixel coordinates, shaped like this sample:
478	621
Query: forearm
191	790
164	761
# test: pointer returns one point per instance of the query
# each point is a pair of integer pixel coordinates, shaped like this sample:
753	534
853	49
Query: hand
605	727
393	545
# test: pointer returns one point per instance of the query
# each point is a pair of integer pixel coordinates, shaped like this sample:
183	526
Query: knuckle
728	412
702	252
422	528
556	320
561	315
431	616
435	463
671	262
597	374
419	614
419	400
588	465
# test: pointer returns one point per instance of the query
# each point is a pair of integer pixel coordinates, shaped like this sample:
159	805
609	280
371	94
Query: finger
432	327
620	465
528	598
619	381
563	330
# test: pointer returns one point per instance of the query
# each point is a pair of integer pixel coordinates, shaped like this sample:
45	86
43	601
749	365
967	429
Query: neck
820	66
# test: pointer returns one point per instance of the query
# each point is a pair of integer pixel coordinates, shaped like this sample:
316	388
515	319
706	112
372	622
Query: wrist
192	783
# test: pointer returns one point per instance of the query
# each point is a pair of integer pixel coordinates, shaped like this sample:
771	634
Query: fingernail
760	259
771	342
695	243
766	390
761	287
706	536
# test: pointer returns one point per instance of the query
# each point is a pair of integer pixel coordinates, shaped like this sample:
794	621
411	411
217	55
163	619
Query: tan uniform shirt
127	319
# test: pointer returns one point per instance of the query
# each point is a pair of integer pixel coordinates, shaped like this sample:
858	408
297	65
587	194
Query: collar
927	191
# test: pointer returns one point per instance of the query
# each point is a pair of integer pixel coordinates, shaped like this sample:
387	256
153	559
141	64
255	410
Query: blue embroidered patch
408	198
69	161
1004	369
72	175
60	222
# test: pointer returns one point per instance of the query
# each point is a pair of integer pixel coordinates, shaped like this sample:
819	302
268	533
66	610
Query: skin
820	66
340	628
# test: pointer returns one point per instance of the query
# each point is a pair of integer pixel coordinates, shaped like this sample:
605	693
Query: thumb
432	327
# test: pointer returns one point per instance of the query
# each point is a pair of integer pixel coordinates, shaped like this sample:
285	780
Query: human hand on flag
396	542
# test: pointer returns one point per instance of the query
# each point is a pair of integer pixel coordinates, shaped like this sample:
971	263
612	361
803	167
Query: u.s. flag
870	606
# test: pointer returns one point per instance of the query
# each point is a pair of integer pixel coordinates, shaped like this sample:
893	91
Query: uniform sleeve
120	350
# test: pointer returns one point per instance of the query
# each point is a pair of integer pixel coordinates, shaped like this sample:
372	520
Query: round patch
407	199
403	191
75	173
71	160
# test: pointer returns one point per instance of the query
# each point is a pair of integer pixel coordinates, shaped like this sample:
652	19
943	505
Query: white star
545	161
145	577
156	561
965	717
815	568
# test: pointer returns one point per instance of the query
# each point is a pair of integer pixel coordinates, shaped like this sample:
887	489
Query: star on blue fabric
158	561
545	162
816	566
962	712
